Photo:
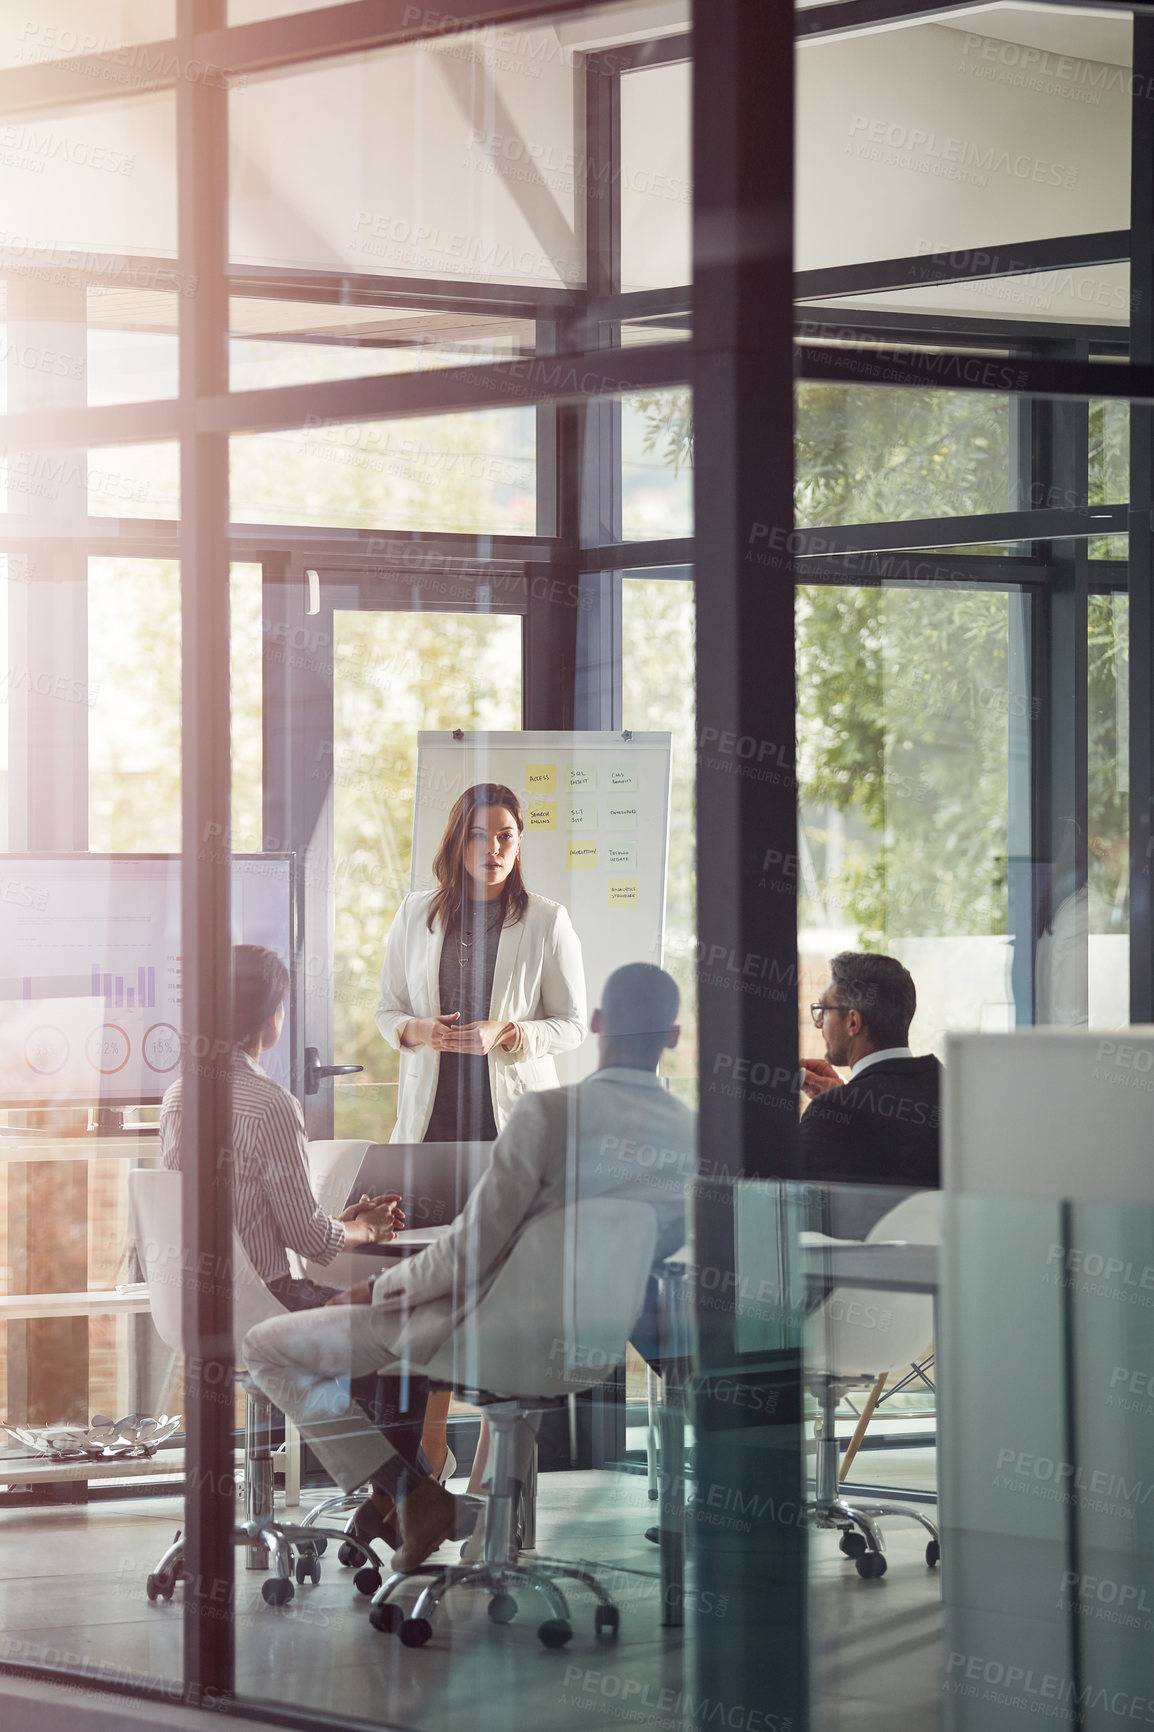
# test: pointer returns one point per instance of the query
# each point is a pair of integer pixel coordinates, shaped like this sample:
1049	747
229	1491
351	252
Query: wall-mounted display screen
91	972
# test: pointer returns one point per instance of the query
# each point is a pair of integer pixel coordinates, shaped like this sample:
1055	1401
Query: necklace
465	945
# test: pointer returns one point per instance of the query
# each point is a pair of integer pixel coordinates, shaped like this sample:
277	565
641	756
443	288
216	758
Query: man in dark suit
881	1128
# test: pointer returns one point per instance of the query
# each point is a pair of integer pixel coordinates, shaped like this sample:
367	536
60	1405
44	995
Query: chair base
860	1538
500	1581
291	1551
497	1572
866	1547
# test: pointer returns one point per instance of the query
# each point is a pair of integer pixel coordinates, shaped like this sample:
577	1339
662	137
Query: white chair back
154	1200
856	1333
559	1313
333	1169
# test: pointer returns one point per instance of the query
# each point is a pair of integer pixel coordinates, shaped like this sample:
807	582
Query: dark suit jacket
880	1128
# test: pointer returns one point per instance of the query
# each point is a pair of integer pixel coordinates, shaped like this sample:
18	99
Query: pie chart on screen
46	1050
107	1049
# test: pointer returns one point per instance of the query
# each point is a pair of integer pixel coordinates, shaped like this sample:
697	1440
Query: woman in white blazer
480	921
482	983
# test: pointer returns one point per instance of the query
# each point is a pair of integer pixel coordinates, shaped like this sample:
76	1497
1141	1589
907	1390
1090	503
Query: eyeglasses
819	1012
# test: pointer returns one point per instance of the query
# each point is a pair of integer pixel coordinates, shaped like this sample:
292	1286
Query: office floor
72	1593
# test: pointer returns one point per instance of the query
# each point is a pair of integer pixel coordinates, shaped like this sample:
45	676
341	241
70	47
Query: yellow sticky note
583	814
582	856
582	779
540	779
541	815
622	892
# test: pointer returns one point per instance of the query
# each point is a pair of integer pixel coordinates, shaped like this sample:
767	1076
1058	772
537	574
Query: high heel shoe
449	1468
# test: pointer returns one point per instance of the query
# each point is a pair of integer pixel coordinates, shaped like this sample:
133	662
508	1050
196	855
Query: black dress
463	1106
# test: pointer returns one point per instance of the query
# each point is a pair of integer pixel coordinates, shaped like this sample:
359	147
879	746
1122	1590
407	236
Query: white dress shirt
880	1057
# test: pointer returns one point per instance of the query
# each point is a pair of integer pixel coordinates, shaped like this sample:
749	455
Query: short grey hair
881	989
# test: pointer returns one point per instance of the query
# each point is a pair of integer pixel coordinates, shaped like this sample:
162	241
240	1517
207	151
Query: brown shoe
427	1518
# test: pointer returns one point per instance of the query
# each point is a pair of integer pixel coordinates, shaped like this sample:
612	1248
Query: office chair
555	1321
288	1548
844	1351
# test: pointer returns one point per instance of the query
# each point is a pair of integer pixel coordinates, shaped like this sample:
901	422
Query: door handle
315	1071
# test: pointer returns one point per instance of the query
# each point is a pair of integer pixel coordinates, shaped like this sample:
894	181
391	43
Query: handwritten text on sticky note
541	815
582	856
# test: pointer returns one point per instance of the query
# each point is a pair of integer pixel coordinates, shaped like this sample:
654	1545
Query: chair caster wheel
367	1580
853	1545
606	1620
872	1565
555	1632
502	1608
349	1554
159	1587
277	1591
308	1570
933	1553
320	1545
415	1632
387	1618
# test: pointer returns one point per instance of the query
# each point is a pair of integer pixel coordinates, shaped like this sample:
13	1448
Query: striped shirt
273	1200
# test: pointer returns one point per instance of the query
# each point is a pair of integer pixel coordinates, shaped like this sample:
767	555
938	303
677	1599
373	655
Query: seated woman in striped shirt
274	1208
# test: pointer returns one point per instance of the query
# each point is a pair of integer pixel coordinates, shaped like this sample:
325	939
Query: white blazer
538	983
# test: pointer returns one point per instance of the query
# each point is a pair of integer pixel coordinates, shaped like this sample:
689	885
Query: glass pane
657	465
448	137
948	139
1108	889
656	178
453	472
246	608
134	481
132	345
81	29
657	623
904	699
394	675
98	180
295	343
133	706
868	454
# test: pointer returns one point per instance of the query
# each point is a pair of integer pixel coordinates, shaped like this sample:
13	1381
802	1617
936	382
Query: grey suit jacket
617	1134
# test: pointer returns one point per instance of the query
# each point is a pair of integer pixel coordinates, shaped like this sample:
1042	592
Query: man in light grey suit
617	1134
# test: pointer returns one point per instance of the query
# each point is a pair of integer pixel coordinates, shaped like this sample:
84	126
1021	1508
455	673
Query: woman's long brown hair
449	862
